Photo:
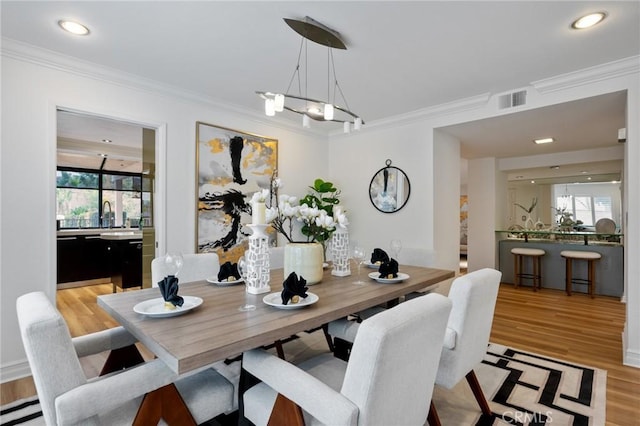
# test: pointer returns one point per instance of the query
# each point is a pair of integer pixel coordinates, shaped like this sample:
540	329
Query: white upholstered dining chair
388	379
474	298
195	267
68	397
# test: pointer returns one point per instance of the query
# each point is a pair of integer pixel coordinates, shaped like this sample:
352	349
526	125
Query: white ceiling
402	56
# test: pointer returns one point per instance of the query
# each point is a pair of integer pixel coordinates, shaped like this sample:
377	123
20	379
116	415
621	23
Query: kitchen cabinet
126	263
81	258
88	254
609	270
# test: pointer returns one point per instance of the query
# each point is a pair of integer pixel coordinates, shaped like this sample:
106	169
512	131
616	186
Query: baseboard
14	371
629	357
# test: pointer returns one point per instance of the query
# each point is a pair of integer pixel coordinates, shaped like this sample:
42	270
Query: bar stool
590	257
519	254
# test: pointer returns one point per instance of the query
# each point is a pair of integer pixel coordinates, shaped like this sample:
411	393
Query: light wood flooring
577	329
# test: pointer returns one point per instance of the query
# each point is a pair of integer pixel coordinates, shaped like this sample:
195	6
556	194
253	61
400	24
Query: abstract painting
231	165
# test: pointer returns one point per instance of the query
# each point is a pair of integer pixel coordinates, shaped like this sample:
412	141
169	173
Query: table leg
122	358
285	412
164	403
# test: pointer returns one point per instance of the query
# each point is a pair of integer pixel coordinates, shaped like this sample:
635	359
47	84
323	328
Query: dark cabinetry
81	258
126	263
90	257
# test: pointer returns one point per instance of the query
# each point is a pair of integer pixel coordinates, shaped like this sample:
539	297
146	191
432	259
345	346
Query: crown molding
609	70
53	60
466	104
28	53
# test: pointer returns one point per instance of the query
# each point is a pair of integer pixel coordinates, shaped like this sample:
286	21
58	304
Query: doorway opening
105	227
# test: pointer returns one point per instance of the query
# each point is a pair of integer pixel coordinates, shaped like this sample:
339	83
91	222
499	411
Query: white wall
483	212
631	218
446	181
30	94
355	158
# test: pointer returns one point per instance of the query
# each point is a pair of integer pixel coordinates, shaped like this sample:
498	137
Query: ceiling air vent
511	100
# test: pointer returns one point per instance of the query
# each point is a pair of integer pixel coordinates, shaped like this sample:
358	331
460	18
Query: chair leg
432	417
516	271
472	379
536	272
592	279
568	275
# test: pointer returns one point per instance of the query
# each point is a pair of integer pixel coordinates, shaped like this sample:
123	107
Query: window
583	210
93	198
586	203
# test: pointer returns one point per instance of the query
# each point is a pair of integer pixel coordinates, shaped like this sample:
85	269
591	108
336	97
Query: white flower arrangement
261	196
318	212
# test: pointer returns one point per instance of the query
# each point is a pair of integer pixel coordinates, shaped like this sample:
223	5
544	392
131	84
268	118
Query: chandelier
309	108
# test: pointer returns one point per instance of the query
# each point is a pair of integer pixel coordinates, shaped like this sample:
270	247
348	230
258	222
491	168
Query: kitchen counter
566	237
104	233
122	235
609	269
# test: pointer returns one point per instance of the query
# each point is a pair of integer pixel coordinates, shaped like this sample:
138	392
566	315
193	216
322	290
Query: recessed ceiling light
554	167
73	27
103	155
589	178
588	21
107	140
543	140
533	181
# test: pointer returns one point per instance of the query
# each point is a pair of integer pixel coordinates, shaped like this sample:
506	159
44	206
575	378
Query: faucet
104	204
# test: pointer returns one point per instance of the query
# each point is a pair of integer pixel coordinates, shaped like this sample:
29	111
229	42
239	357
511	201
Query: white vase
305	259
340	253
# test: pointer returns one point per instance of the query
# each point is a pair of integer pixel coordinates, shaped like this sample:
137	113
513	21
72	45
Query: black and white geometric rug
23	412
522	388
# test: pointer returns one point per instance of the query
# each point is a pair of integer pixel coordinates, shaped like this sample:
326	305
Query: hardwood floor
577	329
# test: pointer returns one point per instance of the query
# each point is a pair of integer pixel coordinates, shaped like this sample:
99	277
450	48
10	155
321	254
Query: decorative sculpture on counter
528	223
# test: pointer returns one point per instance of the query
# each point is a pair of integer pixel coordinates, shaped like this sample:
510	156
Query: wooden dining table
217	330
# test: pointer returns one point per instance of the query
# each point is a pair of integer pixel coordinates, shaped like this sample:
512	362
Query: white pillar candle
258	216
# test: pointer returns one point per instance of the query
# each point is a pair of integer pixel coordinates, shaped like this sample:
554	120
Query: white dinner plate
275	300
376	276
224	283
155	307
371	265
